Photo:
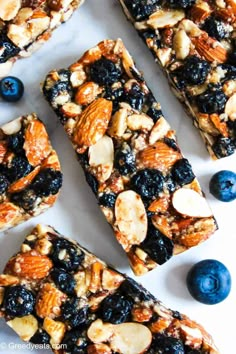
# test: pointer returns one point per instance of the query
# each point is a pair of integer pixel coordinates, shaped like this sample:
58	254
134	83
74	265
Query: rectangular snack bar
30	176
194	43
57	294
146	189
26	24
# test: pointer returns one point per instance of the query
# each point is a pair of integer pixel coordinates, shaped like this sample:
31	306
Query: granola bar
194	43
26	24
54	292
30	176
145	187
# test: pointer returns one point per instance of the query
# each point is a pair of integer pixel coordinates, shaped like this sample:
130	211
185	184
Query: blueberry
4	183
157	246
181	4
72	314
195	70
92	182
25	199
47	181
215	28
154	113
148	183
211	101
116	309
104	72
18	301
65	281
15	142
223	185
182	172
75	342
9	49
72	256
223	147
11	88
18	167
124	160
134	290
135	97
209	281
163	344
40	337
107	199
140	9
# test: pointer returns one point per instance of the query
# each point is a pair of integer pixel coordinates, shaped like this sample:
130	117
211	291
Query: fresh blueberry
209	281
223	185
11	88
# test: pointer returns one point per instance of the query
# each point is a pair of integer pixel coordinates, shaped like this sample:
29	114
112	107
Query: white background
76	213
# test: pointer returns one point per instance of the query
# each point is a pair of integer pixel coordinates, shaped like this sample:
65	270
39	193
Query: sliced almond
55	329
25	326
130	338
102	152
190	28
12	127
99	332
188	202
9	9
118	123
111	280
181	44
230	107
139	122
159	130
131	218
165	18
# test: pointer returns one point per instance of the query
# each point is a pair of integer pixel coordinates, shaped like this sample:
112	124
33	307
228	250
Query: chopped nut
165	18
9	9
111	280
118	123
230	107
139	122
25	326
181	44
159	130
8	280
55	329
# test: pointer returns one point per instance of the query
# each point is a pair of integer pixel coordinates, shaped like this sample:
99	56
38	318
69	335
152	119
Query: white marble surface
76	213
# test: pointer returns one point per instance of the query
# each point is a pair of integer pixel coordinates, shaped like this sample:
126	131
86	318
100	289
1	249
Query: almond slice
102	152
12	127
25	326
9	9
188	202
131	218
130	338
165	18
230	107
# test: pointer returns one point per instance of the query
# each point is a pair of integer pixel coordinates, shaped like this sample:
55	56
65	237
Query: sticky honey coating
57	294
194	43
30	175
130	156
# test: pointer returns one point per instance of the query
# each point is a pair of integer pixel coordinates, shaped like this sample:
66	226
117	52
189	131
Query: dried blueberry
4	183
15	142
134	290
66	255
115	95
182	172
171	143
158	246
135	97
211	101
9	49
151	34
170	184
25	199
18	301
148	183
124	160
107	199
223	147
47	181
195	70
75	342
189	350
40	337
64	281
83	159
104	72
215	28
72	314
232	57
154	113
163	344
140	9
92	182
116	309
181	4
18	167
61	88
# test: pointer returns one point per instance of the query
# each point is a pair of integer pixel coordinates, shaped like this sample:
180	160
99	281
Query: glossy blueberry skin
209	281
11	88
223	185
